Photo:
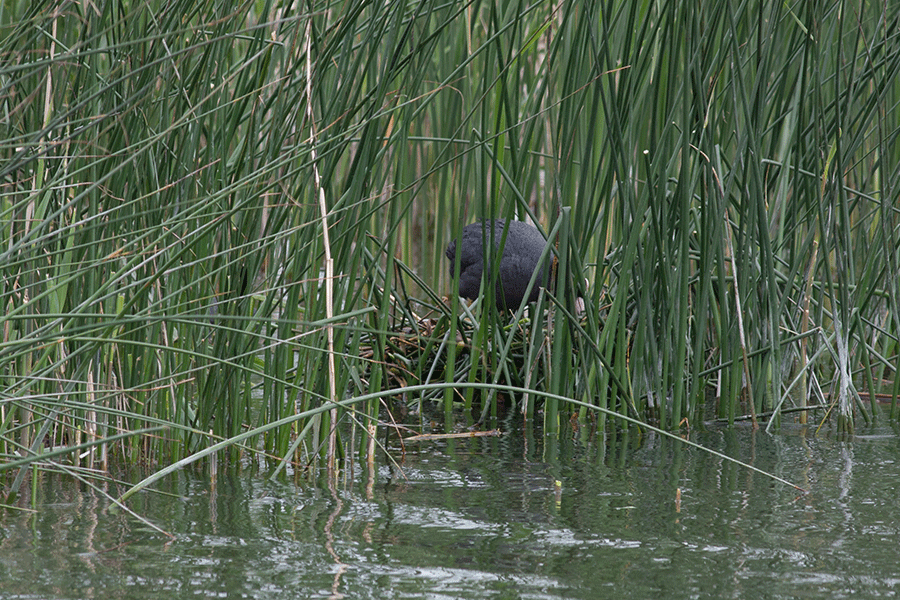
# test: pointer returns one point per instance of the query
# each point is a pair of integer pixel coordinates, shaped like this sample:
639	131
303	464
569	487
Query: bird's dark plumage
521	254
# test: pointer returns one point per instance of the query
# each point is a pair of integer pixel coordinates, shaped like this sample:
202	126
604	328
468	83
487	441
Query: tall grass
724	176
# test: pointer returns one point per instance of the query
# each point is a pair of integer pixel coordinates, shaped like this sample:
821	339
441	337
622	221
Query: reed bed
223	224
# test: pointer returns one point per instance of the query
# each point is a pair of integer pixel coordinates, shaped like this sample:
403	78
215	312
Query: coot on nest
521	255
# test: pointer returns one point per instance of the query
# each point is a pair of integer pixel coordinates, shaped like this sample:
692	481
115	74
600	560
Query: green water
486	519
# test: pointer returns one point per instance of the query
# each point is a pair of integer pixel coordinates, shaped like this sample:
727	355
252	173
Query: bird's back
521	253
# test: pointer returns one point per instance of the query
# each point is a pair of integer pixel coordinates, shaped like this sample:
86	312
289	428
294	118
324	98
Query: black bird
521	254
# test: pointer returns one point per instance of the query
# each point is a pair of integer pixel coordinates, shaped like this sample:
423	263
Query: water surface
509	517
